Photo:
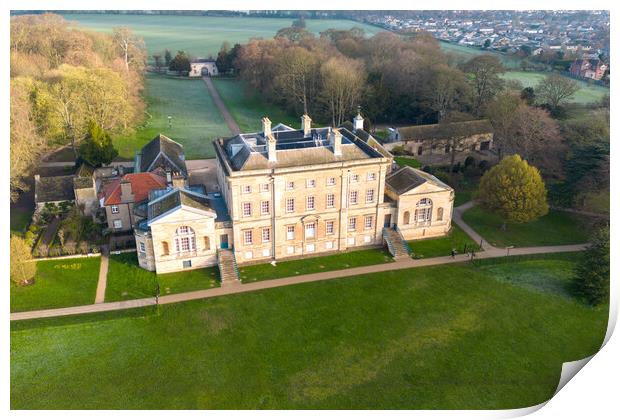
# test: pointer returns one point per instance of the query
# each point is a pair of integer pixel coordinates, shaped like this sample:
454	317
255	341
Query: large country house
284	193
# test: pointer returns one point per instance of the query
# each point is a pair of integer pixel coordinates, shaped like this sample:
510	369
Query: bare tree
343	83
501	113
448	86
132	47
555	90
484	71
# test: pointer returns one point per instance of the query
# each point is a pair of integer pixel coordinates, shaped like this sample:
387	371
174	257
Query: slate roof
444	131
85	171
407	178
141	184
249	151
54	188
162	146
82	182
175	198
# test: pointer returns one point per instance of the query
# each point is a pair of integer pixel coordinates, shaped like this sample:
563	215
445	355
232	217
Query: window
166	248
371	176
352	223
247	237
290	185
370	196
187	264
329	227
447	149
353	197
266	235
114	209
290	205
355	178
264	207
368	222
440	213
310	203
118	224
184	239
264	187
310	230
311	183
331	198
247	209
290	249
331	181
424	211
142	247
290	232
246	189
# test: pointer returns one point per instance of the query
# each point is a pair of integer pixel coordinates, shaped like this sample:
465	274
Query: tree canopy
22	268
97	148
515	190
591	280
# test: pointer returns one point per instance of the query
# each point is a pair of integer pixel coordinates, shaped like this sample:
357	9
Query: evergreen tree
591	280
97	149
167	57
515	190
180	63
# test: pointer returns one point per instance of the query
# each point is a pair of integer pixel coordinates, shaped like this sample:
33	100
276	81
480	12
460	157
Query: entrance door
224	241
387	220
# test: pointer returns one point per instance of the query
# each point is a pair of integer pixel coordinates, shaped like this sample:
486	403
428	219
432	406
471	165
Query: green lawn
587	93
450	337
126	280
457	239
202	35
556	228
407	161
58	283
20	219
196	121
252	273
464	53
248	108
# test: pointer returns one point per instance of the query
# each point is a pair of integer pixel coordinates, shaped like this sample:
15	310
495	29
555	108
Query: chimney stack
306	124
271	148
266	127
335	141
126	193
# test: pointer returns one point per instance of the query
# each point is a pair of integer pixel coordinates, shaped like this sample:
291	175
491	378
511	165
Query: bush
55	251
398	150
82	247
41	250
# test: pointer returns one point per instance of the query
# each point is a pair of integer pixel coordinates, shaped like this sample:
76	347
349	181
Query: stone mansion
281	193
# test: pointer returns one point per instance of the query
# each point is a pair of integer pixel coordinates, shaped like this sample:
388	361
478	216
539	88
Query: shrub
55	251
82	247
398	150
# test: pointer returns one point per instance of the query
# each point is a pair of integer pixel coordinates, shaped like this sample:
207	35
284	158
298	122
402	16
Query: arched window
185	239
165	247
406	218
423	211
440	213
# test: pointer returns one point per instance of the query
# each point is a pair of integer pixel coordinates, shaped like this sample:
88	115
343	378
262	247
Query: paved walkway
103	276
268	284
217	99
457	217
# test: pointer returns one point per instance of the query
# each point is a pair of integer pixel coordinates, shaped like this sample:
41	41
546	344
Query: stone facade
203	67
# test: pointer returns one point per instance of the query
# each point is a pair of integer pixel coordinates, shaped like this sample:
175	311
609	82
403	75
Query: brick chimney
306	124
335	141
266	126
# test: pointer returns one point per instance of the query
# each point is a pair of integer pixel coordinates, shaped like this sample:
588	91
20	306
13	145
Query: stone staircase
396	243
229	272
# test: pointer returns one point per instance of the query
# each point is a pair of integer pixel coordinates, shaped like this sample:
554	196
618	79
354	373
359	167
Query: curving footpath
488	252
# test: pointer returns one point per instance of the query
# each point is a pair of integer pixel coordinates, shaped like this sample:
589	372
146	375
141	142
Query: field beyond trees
202	35
449	337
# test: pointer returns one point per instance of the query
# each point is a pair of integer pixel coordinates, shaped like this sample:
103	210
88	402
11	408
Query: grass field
407	161
340	261
196	121
556	228
248	108
457	239
58	283
463	53
451	337
587	93
202	35
126	280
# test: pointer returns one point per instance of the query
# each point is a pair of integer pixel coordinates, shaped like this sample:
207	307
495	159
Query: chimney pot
266	126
